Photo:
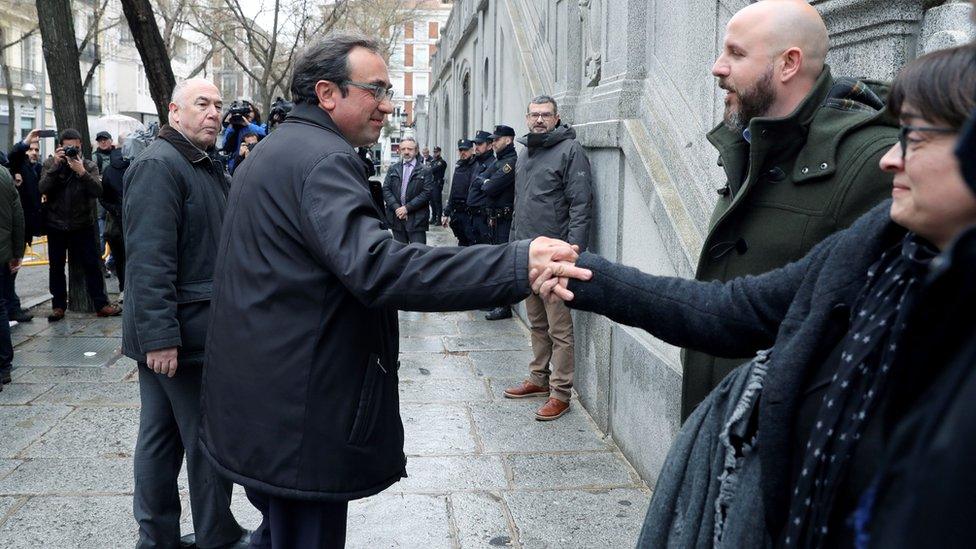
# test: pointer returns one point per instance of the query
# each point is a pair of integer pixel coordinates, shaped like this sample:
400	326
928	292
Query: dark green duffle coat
802	178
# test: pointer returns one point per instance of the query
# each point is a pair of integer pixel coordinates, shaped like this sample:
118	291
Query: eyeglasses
542	115
905	130
379	92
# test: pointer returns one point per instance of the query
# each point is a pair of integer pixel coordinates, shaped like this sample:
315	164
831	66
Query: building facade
633	78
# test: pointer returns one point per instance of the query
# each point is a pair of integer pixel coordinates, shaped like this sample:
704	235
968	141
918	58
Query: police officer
456	211
437	167
484	157
499	185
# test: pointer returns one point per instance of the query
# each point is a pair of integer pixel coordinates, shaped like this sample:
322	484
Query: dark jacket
11	220
796	310
481	164
233	136
460	182
111	198
172	205
925	494
102	159
29	191
802	178
438	167
70	198
553	188
309	409
419	190
498	181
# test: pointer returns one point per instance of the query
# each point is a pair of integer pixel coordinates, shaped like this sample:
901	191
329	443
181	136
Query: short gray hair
542	99
327	59
179	91
410	138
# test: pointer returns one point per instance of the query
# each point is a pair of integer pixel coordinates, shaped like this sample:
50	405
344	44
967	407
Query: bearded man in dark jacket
309	419
800	150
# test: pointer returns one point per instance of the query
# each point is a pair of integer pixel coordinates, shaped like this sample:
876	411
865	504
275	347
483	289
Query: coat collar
191	152
313	114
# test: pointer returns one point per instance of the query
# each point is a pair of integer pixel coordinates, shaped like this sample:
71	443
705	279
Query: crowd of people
828	376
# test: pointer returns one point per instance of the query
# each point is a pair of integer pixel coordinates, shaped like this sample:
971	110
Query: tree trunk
64	70
5	72
152	50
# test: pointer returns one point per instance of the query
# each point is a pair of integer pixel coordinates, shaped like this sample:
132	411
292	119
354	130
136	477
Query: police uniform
477	199
457	204
498	184
437	167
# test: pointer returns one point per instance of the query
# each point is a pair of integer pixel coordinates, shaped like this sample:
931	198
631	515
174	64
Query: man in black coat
307	418
111	201
498	184
477	199
25	166
456	212
407	192
437	167
175	194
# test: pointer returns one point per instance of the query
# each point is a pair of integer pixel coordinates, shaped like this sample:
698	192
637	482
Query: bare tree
174	16
152	50
380	19
93	36
5	74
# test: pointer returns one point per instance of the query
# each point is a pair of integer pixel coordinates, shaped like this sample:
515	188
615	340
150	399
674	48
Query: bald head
194	111
185	91
778	25
772	55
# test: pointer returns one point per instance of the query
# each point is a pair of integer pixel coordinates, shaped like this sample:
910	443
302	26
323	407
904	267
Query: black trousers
169	426
478	231
437	200
460	224
6	347
118	255
501	230
410	237
294	524
82	244
10	297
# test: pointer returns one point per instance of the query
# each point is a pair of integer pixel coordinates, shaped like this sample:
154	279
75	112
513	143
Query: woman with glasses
833	384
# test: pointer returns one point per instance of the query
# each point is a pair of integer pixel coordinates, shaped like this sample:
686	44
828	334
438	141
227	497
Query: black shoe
188	541
4	378
20	316
499	313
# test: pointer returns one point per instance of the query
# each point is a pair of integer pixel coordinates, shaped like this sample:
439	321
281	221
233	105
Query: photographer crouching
242	118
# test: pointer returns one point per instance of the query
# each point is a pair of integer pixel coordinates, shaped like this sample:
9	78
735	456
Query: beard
753	102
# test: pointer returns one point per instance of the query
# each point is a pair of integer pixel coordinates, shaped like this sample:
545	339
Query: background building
633	78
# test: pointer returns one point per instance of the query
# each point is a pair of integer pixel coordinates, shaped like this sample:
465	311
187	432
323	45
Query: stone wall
634	79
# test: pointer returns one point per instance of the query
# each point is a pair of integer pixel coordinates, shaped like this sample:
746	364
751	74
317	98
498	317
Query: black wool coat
300	385
794	309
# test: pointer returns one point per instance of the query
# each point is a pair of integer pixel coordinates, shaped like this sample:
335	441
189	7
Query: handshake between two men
552	263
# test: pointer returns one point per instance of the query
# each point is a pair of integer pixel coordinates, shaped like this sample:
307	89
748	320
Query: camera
238	112
279	110
71	151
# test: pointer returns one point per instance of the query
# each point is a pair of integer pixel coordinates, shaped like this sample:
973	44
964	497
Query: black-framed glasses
903	132
379	92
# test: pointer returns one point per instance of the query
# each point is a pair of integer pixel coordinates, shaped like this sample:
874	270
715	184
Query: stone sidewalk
483	472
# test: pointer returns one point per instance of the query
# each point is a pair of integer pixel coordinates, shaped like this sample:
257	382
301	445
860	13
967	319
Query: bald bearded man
800	150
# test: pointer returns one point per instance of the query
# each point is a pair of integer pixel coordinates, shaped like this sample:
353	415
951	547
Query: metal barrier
36	253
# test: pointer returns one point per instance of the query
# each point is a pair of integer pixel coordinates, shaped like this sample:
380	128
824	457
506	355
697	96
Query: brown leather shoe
109	310
526	390
56	315
552	409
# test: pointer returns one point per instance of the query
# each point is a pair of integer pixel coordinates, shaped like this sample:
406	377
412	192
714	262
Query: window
465	104
408	31
408	84
408	55
420	84
420	30
421	56
228	85
433	30
396	58
142	84
29	54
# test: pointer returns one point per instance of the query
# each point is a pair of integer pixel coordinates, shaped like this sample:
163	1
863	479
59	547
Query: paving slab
70	325
510	426
73	476
72	375
437	429
480	328
576	518
428	327
501	363
90	432
92	394
18	393
434	366
571	470
486	343
22	425
421	345
413	316
8	465
408	520
70	522
60	351
443	390
452	474
480	520
32	328
7	503
108	327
